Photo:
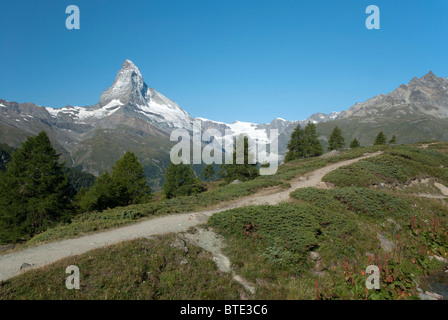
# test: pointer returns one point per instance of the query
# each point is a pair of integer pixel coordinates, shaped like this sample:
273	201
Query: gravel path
48	253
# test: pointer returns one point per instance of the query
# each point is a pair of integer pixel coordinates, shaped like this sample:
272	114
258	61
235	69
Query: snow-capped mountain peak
129	97
128	86
132	95
130	89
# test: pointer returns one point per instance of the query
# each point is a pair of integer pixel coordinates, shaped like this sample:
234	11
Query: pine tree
393	140
124	186
180	180
314	148
304	143
354	144
129	180
240	171
380	139
336	140
78	179
208	173
34	192
101	196
5	155
295	144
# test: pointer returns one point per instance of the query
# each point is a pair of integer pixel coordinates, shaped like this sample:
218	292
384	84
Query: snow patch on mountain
54	111
213	121
102	112
161	113
260	131
161	109
251	129
82	113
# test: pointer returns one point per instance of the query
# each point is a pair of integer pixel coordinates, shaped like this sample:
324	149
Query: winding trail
51	252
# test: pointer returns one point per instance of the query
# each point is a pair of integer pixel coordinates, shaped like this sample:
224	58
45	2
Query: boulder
180	244
315	256
330	154
25	266
386	244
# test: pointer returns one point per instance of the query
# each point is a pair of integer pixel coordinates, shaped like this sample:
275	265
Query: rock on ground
386	244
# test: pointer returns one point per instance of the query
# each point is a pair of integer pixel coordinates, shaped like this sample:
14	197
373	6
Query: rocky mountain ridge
132	116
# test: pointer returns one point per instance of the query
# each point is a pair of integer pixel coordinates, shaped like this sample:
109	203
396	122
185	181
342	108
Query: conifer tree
304	143
208	172
380	139
312	139
336	140
124	186
100	196
354	144
393	140
240	171
313	148
129	180
34	192
5	155
180	180
295	144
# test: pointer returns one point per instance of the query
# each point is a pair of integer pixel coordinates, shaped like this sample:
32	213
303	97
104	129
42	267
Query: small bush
284	234
396	165
368	202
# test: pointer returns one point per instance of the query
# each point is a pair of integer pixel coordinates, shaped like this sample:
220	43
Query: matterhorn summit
130	91
129	97
128	86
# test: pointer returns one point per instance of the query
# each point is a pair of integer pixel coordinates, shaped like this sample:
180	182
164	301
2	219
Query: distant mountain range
414	112
132	116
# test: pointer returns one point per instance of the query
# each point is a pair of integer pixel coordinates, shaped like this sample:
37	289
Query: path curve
51	252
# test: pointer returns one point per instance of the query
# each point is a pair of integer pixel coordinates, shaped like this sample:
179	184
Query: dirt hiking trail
45	254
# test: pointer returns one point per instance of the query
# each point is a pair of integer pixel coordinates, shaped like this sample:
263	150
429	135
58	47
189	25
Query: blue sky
248	60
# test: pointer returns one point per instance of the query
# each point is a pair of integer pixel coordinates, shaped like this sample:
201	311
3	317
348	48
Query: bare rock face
128	87
386	244
397	226
135	99
315	256
180	244
319	269
25	266
427	295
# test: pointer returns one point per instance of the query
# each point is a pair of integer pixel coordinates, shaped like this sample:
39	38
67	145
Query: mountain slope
129	116
414	112
132	116
50	252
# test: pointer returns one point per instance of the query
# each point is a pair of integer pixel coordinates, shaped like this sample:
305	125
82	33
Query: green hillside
90	152
316	246
407	126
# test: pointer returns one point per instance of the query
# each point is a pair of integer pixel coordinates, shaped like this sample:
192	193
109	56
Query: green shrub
146	269
396	165
368	202
126	185
286	233
180	180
